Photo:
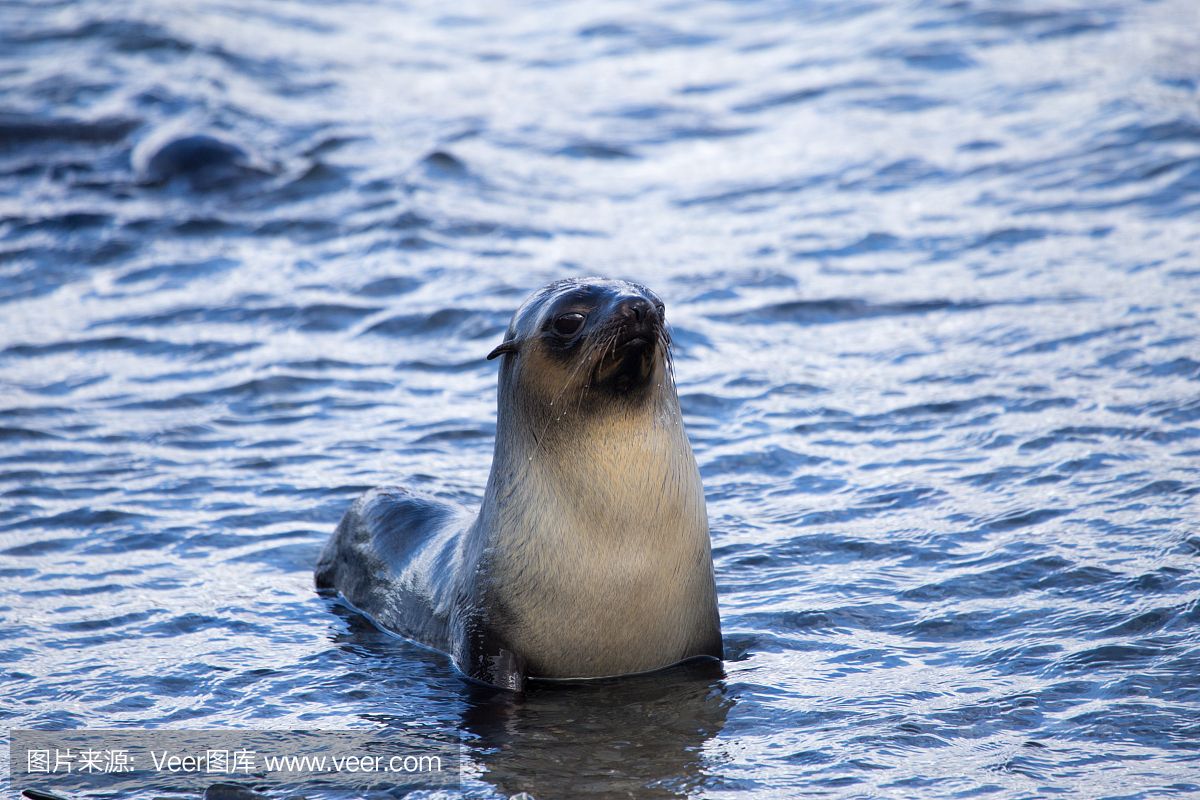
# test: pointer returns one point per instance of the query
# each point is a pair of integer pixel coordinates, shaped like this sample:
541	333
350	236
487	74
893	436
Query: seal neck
625	475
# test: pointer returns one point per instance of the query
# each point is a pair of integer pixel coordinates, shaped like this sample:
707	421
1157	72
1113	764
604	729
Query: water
933	274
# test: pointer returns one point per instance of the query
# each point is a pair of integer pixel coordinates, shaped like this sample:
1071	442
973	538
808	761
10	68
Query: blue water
933	270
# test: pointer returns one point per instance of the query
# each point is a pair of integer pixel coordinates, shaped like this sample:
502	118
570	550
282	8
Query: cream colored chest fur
606	559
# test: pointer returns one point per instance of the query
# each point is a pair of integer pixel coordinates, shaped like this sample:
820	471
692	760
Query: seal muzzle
630	343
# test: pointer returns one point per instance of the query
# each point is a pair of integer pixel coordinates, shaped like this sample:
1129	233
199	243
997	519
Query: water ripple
931	272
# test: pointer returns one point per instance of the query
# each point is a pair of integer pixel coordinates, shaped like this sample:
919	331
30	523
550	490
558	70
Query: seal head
607	335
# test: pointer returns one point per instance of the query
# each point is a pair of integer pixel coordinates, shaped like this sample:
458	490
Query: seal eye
568	324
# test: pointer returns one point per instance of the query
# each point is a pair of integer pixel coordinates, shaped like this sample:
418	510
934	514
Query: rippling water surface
933	274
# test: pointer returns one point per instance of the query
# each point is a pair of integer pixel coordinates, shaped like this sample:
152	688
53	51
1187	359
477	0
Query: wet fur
590	555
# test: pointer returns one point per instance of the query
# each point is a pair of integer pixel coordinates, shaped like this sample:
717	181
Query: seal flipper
485	657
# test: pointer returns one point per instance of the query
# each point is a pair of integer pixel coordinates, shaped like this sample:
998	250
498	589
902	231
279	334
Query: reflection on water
643	736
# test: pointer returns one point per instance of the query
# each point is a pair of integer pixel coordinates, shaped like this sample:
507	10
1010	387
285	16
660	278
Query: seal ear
507	346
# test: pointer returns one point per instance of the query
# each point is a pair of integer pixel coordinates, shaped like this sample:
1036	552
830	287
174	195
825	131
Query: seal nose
635	308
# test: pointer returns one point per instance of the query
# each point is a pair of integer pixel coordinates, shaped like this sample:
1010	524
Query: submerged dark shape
590	555
685	706
201	160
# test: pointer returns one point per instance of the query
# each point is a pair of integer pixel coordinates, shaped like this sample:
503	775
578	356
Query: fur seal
590	555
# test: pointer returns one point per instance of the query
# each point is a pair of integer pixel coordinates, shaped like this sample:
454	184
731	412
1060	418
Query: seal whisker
563	387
